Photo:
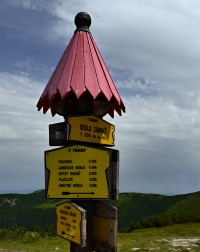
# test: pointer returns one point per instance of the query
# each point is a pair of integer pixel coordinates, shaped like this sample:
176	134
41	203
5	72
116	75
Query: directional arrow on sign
68	193
72	236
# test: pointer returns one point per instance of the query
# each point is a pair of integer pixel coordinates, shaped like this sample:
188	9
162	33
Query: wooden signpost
79	172
84	170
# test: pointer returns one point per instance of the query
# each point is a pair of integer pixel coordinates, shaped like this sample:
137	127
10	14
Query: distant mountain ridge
22	191
135	210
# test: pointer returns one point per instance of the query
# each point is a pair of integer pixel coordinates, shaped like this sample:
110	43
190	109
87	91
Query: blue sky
152	50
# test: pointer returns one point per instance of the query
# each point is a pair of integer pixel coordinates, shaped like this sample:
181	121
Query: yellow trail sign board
78	171
91	129
71	222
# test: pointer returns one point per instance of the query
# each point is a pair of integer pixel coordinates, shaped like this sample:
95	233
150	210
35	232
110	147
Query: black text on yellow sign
91	129
79	171
71	222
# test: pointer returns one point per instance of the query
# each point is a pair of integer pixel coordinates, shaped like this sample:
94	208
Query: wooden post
95	170
81	86
88	206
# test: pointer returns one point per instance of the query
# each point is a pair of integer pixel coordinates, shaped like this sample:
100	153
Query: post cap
82	21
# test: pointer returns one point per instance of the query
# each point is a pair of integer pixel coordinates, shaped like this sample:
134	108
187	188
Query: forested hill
138	210
135	210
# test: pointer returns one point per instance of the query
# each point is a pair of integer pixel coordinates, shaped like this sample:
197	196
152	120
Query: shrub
13	233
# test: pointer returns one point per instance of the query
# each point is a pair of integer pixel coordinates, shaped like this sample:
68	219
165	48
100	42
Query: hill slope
22	210
135	210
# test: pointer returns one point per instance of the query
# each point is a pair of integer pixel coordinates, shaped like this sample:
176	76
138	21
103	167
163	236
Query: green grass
162	239
50	204
36	245
169	238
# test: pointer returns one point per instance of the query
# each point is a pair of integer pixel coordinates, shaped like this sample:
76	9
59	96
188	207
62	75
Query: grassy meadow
178	237
147	222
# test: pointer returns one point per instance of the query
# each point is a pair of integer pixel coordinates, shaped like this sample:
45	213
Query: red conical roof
80	71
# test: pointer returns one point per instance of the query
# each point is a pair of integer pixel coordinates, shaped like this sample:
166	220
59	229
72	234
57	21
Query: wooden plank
88	206
58	134
101	229
105	226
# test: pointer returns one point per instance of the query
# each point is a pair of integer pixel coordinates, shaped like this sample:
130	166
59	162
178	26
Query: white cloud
19	118
151	38
152	49
159	145
155	39
148	119
23	133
